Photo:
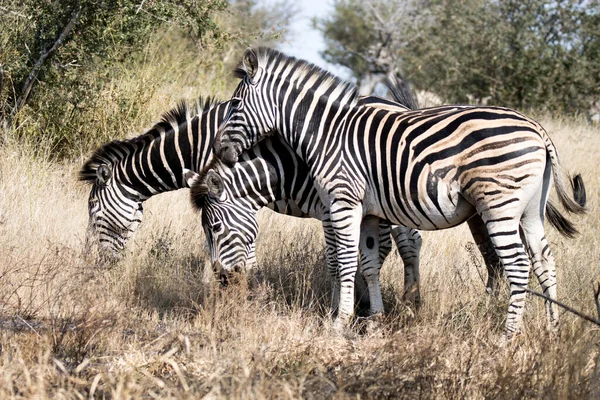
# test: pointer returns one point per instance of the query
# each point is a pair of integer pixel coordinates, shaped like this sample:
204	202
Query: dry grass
151	327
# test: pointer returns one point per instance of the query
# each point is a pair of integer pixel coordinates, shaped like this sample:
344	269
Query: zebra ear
214	182
250	62
103	173
189	177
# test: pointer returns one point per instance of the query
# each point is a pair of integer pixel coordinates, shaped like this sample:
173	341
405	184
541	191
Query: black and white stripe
230	197
272	175
427	169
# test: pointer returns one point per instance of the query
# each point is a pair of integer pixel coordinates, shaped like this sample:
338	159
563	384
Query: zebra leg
409	244
485	246
544	265
370	261
331	259
346	219
251	266
503	231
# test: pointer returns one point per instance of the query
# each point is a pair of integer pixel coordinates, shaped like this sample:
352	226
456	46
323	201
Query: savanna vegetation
155	325
536	54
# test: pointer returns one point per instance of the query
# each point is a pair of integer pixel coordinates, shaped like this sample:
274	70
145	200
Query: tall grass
153	325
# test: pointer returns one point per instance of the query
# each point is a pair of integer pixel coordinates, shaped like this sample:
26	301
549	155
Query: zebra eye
217	227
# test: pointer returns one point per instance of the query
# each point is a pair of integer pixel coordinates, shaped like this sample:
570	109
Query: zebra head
230	226
249	119
115	213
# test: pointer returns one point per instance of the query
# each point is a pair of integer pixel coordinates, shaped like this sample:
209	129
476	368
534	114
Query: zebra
123	174
428	169
230	197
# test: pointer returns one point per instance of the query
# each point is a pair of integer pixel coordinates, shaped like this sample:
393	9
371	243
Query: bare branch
140	6
1	81
566	307
45	54
596	286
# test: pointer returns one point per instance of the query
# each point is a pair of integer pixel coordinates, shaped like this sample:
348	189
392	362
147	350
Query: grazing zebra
230	198
126	173
427	169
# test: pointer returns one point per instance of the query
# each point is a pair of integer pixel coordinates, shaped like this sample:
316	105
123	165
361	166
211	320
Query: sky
303	40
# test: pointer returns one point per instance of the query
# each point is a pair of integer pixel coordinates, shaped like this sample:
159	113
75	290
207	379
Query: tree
368	37
49	36
521	54
58	56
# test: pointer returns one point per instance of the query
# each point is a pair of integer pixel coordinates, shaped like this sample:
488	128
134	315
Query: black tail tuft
557	220
579	190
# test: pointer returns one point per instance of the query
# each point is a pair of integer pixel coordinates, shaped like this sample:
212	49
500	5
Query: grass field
152	326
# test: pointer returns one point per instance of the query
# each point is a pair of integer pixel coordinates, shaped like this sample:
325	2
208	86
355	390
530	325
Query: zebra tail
558	221
577	204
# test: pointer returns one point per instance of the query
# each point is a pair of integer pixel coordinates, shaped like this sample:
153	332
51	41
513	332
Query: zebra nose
224	277
239	268
221	273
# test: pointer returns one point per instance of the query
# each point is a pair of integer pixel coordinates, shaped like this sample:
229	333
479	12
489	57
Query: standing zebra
126	173
230	197
427	169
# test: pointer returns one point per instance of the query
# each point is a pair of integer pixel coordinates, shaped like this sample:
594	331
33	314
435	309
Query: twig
29	326
45	54
596	286
2	120
1	80
566	307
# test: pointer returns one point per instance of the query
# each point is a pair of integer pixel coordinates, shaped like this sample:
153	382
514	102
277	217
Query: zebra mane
269	59
116	150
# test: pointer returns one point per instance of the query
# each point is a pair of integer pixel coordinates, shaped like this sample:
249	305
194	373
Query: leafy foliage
535	54
106	67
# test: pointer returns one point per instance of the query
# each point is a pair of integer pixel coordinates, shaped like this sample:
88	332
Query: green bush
80	72
523	54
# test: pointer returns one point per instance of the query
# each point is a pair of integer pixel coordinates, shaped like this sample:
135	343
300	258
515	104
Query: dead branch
596	286
566	307
44	55
2	119
1	83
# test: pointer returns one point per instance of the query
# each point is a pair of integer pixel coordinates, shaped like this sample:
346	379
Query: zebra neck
270	172
157	165
307	122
